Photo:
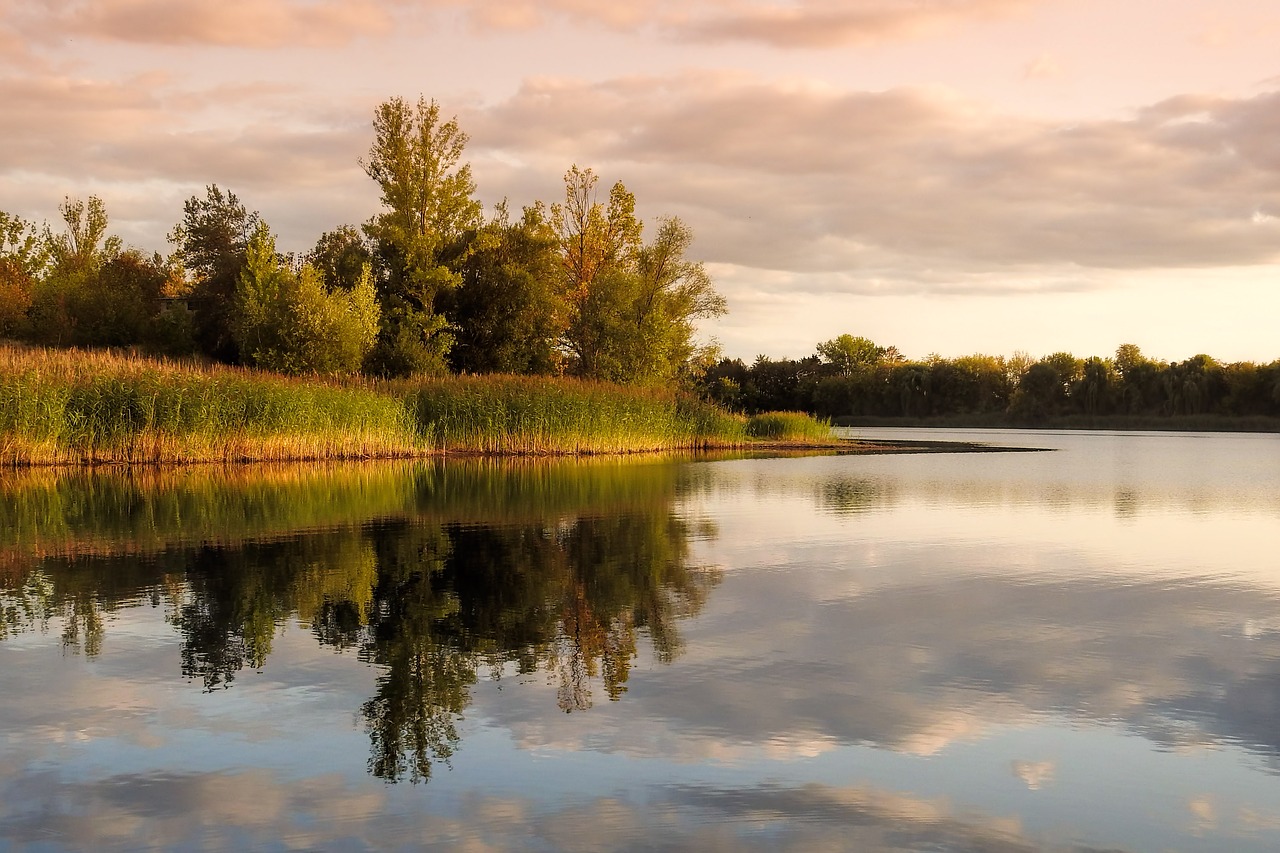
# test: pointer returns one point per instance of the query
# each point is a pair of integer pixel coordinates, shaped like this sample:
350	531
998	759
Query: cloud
834	190
804	178
142	144
228	23
1043	67
247	23
258	808
797	25
832	24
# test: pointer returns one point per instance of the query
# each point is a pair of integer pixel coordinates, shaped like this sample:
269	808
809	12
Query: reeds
74	407
789	427
71	407
501	415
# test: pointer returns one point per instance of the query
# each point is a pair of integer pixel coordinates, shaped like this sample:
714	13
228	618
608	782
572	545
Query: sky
944	176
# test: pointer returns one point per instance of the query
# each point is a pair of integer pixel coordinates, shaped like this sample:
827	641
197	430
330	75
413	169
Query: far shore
1132	423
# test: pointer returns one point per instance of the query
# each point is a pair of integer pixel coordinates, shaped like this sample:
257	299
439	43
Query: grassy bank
69	407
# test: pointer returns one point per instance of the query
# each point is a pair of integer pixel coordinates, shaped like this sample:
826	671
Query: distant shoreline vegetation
73	407
853	381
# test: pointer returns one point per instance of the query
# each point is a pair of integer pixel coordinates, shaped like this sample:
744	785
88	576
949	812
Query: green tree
341	256
1094	392
289	322
119	306
1139	388
673	293
508	310
847	354
423	234
211	243
85	244
70	304
594	237
631	306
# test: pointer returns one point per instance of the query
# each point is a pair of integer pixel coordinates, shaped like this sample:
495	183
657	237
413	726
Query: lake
1073	649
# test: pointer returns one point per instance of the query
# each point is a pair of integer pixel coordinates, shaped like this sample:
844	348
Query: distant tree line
428	285
852	376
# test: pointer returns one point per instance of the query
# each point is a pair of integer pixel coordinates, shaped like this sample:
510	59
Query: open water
1074	649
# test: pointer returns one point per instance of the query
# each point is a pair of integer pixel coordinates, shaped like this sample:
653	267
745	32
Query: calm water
1070	650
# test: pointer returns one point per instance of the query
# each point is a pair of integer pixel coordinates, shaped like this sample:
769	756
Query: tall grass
791	427
69	407
528	415
74	407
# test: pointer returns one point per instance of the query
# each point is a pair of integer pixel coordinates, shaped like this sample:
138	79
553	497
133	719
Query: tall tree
424	232
595	237
509	310
630	306
85	244
847	354
212	240
74	303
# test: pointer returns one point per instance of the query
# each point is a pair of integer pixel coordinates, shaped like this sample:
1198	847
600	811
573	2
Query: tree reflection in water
475	569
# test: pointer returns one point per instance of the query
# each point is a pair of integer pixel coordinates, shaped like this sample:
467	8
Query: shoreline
842	446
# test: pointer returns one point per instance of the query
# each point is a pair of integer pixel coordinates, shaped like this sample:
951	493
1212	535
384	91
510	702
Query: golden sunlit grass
76	407
72	407
534	415
791	427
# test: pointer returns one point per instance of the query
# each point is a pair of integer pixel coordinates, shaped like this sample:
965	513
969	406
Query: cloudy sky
947	176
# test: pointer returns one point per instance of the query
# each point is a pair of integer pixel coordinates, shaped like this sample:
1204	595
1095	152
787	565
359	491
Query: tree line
427	285
853	377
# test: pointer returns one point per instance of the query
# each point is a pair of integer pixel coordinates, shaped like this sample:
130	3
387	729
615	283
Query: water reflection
1035	651
576	564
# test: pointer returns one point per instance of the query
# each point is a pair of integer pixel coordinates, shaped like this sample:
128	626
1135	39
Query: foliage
341	257
847	354
288	322
92	291
212	241
22	257
508	310
631	306
993	390
424	231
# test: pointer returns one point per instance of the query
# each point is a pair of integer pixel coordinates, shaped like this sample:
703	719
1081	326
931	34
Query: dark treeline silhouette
425	286
853	378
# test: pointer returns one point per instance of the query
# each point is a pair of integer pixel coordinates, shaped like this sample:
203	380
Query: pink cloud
806	23
238	23
826	23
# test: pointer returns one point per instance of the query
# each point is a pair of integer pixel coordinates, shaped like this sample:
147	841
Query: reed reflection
481	571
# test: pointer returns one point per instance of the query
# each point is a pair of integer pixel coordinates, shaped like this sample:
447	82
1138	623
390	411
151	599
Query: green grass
500	415
72	407
790	427
69	407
